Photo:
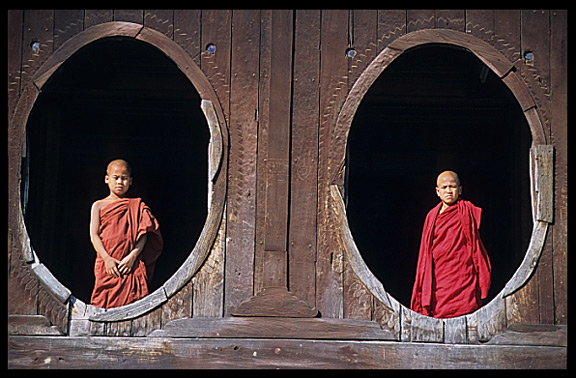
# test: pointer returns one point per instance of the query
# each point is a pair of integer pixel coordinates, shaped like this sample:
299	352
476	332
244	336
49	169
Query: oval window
116	97
436	107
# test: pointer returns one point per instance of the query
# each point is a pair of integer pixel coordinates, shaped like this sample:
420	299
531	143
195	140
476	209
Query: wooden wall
281	78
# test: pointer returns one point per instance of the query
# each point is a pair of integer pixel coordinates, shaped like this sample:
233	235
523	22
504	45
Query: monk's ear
106	179
459	190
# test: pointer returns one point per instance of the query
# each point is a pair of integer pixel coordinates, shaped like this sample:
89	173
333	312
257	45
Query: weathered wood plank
304	163
97	16
450	19
217	30
61	292
38	27
161	20
130	15
274	106
14	51
391	25
507	33
208	288
31	325
420	328
244	70
158	352
365	34
274	301
480	23
333	72
357	298
532	334
420	19
559	116
276	328
134	309
187	31
67	23
544	180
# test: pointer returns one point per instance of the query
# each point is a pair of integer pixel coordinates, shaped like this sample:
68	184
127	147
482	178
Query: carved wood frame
217	169
482	324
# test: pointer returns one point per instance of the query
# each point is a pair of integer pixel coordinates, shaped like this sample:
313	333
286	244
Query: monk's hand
125	266
111	265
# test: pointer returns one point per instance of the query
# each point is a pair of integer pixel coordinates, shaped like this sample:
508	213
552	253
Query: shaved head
448	175
121	162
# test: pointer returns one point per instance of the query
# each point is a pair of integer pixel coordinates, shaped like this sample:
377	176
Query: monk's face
118	179
448	188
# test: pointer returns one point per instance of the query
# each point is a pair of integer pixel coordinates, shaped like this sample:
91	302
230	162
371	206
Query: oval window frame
217	168
483	323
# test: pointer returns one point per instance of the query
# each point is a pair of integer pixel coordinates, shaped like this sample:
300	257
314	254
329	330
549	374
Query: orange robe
122	224
453	270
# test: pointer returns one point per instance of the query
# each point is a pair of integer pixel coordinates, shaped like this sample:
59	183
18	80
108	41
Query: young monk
127	239
453	271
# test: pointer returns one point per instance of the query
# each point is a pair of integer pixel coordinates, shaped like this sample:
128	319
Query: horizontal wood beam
185	353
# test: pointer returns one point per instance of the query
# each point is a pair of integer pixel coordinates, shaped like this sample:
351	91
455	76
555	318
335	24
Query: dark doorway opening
114	98
437	107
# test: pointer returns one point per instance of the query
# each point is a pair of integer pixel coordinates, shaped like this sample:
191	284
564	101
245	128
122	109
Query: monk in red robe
453	270
127	239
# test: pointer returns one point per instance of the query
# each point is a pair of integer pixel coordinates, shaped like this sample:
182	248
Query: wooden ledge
275	301
275	328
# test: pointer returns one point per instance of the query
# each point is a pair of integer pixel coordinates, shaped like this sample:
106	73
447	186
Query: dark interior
114	98
437	107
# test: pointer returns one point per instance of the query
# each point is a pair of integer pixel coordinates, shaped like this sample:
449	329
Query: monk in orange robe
127	239
453	270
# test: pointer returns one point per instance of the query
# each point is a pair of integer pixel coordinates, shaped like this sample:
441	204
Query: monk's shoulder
97	205
470	205
100	204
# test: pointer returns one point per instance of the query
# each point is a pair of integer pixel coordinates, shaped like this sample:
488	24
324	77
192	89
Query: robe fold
122	224
453	269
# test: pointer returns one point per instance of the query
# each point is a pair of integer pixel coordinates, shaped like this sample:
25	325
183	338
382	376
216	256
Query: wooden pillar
273	174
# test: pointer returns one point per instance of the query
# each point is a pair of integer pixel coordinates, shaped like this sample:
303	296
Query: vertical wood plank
97	16
38	27
357	299
14	26
22	283
279	131
450	19
391	25
535	26
161	20
559	138
142	326
130	15
273	146
216	29
333	76
208	288
263	131
304	162
418	19
67	23
187	32
480	23
180	304
244	70
365	35
507	33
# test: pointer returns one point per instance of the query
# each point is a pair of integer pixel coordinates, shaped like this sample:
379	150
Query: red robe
122	224
453	271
